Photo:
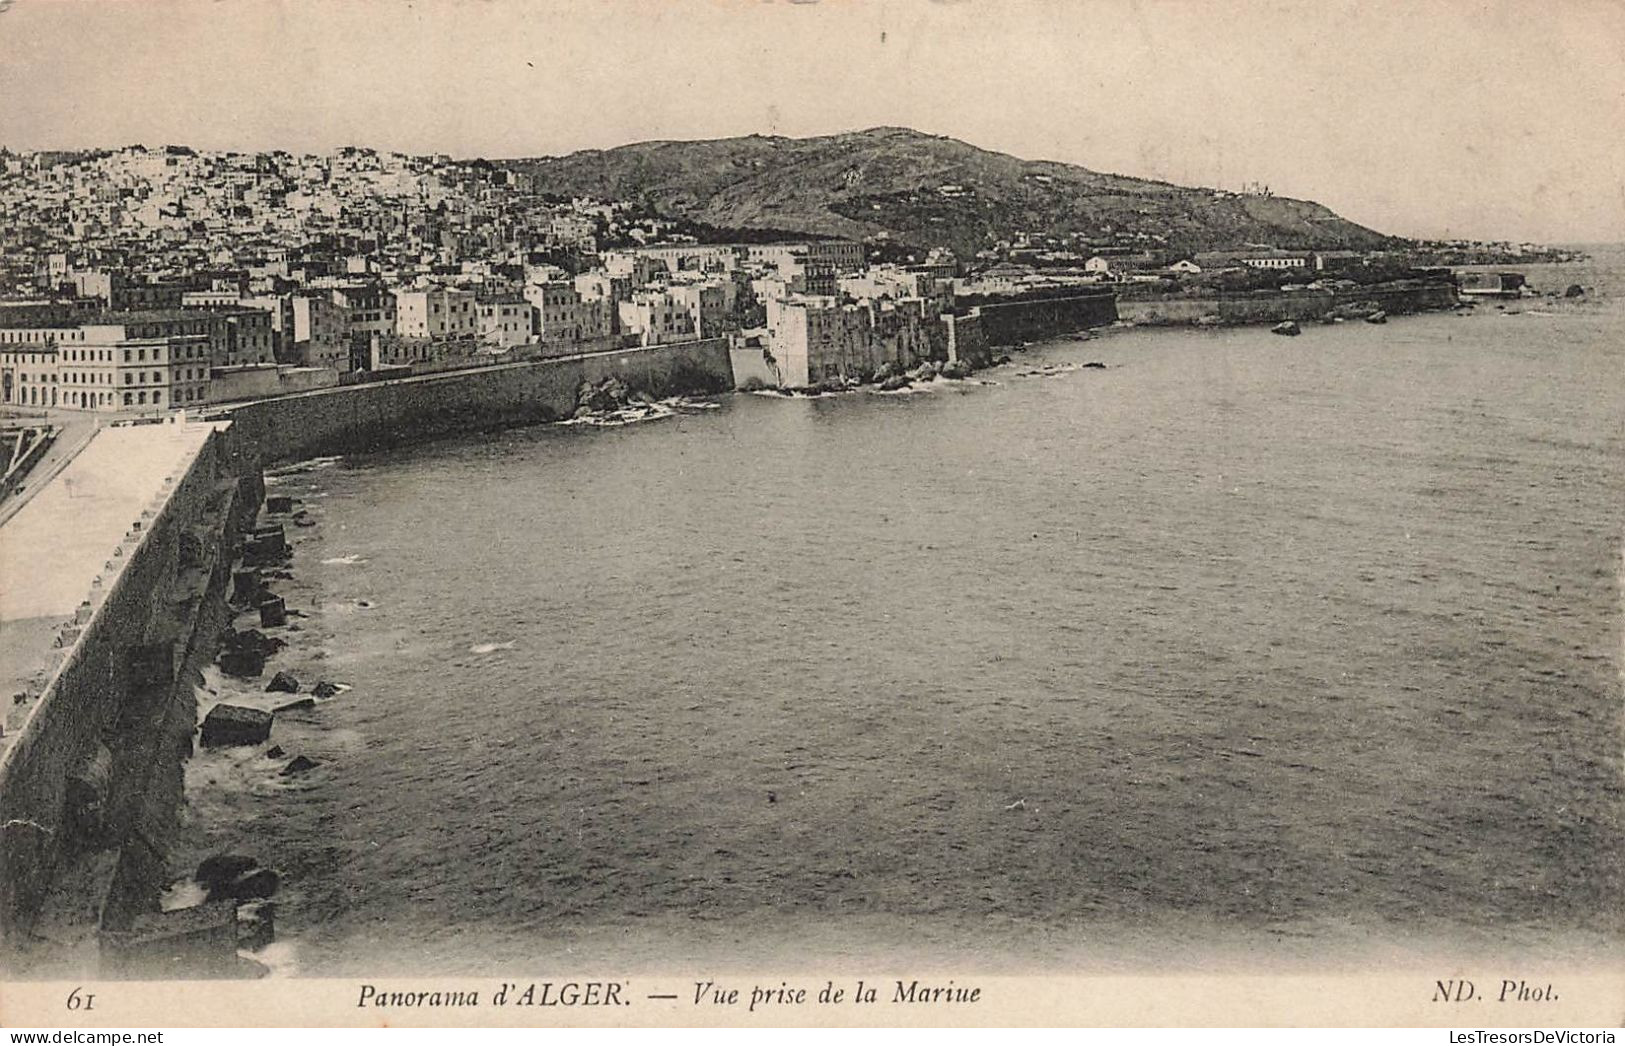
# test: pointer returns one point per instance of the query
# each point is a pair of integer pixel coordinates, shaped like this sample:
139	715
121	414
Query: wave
343	561
301	467
490	648
633	413
280	957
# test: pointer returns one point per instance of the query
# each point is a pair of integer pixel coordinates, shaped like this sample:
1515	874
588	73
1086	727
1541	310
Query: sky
1488	119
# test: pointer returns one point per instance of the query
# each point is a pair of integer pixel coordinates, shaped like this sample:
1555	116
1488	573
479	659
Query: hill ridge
892	183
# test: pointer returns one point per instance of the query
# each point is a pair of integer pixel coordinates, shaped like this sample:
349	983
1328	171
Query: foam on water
183	893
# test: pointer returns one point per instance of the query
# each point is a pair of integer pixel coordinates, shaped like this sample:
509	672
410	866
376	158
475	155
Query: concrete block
245	586
236	725
273	612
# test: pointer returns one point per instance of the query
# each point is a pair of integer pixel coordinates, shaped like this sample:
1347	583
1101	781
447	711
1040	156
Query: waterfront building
814	340
656	318
504	320
436	313
560	313
369	310
707	305
1257	259
28	374
321	333
897	283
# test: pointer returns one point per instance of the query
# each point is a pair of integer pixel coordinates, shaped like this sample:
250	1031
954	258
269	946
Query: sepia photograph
822	512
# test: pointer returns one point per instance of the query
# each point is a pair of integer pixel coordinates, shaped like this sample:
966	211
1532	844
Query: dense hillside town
142	279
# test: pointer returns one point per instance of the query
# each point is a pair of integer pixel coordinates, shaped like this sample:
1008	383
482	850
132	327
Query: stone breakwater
1398	298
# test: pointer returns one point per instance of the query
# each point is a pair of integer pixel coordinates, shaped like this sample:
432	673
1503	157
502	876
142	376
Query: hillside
926	191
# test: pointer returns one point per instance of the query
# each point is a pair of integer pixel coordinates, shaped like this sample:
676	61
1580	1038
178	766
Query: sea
1237	651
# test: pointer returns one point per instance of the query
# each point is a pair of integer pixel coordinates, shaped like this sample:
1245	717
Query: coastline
1076	336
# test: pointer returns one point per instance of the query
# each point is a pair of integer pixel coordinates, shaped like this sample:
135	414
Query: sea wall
1014	322
384	413
1274	306
967	341
115	681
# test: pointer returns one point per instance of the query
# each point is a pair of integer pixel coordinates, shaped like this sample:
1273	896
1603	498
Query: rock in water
957	370
283	682
1287	327
324	689
299	765
236	725
1377	317
895	382
1575	291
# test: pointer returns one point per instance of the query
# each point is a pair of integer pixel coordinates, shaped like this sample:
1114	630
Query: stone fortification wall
121	669
355	417
1014	322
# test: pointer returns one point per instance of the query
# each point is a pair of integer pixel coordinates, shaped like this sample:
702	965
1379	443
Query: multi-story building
118	361
891	281
841	255
707	305
694	257
436	312
656	318
819	339
504	319
370	317
321	333
560	313
28	374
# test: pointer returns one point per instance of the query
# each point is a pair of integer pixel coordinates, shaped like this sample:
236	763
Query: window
126	399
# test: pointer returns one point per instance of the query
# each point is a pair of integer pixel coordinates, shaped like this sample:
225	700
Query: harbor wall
1274	306
122	669
388	413
1014	322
